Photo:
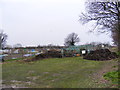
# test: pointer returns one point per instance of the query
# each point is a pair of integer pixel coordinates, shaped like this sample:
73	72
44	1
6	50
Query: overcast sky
43	22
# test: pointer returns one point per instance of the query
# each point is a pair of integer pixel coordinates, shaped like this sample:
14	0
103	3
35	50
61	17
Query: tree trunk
119	40
118	4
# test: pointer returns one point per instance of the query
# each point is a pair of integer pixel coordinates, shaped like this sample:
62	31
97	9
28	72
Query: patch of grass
9	60
71	72
118	53
113	76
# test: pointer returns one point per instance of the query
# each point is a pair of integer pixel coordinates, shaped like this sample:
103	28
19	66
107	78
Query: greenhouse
73	50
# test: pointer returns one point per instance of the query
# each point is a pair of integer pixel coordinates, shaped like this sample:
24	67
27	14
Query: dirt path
98	77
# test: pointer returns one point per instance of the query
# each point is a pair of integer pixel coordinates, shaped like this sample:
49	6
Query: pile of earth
101	55
48	54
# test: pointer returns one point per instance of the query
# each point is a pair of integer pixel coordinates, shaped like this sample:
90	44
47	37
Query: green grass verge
118	53
73	72
113	76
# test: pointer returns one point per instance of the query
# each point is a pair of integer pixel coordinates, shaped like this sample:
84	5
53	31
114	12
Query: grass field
73	72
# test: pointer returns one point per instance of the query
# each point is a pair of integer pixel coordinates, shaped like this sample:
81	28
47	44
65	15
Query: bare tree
71	39
115	35
3	38
106	15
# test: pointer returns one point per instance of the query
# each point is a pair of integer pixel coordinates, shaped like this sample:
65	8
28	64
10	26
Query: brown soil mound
48	54
101	55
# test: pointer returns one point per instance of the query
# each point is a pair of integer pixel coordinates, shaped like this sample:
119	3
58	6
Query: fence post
62	52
